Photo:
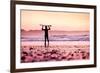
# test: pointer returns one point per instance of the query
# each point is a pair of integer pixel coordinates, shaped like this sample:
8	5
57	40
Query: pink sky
67	21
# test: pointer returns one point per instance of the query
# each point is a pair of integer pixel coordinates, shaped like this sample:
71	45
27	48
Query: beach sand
57	51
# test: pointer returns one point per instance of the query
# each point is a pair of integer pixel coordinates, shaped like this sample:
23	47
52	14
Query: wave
57	38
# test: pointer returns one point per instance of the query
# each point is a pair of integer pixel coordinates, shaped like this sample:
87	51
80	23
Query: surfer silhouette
46	28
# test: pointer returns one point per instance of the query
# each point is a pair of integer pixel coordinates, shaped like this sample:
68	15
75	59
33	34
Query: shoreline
61	43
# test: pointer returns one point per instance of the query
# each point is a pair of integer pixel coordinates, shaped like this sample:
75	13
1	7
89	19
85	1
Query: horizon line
55	30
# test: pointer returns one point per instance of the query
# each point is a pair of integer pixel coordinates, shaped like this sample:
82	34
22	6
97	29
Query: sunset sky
64	21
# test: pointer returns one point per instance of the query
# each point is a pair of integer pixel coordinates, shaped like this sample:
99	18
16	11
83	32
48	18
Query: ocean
55	36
